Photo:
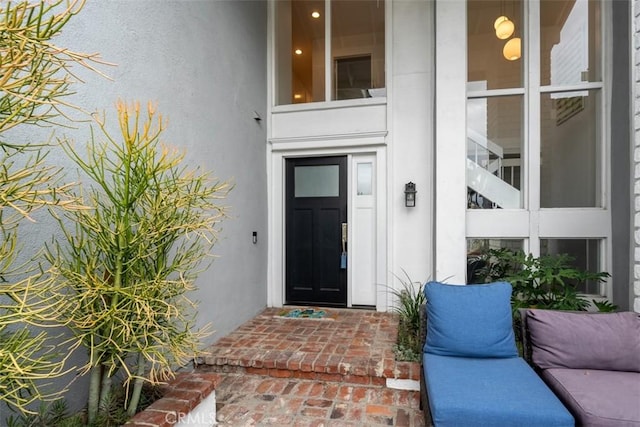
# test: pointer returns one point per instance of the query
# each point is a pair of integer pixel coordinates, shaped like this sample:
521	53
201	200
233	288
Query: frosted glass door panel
365	179
317	181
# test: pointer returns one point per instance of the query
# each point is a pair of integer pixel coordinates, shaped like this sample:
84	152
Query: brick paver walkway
247	400
308	372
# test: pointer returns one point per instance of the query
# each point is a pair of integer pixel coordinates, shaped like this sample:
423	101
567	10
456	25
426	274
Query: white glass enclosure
536	146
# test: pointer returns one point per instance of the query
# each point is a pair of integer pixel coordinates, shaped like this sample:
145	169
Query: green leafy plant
548	281
112	414
35	78
604	306
128	263
46	415
409	301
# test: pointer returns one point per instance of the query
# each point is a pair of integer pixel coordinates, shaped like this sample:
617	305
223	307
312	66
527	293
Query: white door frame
278	152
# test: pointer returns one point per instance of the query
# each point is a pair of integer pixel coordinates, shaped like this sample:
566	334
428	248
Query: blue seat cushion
496	392
470	321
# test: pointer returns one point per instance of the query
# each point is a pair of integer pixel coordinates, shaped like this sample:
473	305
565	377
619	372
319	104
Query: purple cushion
598	398
608	341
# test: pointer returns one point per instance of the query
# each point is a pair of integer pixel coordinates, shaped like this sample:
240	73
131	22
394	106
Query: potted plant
409	301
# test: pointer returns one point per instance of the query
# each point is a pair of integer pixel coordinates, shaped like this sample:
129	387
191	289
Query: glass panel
570	46
479	257
493	62
317	181
494	152
365	178
353	77
571	150
585	254
300	52
357	48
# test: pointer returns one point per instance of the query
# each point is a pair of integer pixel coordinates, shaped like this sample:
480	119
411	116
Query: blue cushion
470	320
489	392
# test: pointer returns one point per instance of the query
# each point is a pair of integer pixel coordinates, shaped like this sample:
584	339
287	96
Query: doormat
306	313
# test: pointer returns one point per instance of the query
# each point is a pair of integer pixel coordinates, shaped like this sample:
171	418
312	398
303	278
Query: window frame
329	66
531	222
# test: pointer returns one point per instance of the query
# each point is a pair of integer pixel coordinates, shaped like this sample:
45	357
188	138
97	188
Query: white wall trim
329	141
328	105
450	141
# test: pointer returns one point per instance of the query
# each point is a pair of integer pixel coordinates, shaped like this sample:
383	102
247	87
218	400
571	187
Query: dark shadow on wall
621	159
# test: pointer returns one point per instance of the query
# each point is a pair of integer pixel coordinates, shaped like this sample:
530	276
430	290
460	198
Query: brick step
350	346
189	392
361	371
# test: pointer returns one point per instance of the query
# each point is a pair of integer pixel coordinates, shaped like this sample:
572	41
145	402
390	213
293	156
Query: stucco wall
636	156
204	64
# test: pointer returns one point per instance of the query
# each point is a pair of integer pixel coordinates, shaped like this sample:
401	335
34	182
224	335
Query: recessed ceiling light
315	14
298	51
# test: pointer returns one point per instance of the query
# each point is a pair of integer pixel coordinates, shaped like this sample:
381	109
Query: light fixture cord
513	14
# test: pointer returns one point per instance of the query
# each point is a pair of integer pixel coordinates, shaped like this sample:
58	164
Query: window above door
328	50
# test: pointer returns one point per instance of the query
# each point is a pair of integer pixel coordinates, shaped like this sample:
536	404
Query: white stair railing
484	171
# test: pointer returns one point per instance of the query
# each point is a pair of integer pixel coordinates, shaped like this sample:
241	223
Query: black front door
316	215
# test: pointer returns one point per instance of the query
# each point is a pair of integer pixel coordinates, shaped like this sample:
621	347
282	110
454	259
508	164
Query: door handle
344	233
343	256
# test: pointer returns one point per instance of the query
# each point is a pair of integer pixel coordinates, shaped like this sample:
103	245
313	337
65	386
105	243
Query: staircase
484	172
350	346
338	370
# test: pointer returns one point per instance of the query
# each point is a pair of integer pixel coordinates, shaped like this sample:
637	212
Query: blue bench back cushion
469	320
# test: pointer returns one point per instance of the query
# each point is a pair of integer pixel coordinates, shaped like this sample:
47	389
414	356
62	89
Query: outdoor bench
471	373
590	360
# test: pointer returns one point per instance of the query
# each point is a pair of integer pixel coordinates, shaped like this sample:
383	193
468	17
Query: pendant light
498	21
505	27
512	49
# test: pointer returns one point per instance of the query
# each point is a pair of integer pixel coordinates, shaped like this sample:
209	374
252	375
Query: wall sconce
410	195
